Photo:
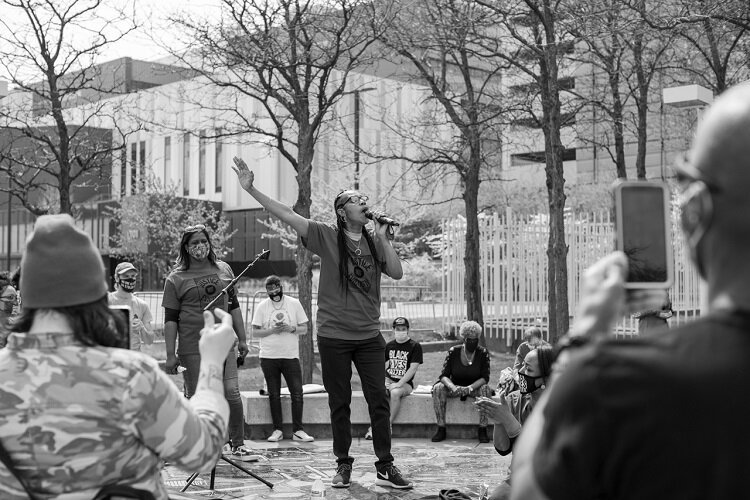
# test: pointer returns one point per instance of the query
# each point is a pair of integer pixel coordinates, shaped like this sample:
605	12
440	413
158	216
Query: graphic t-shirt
189	292
400	357
270	314
138	309
351	312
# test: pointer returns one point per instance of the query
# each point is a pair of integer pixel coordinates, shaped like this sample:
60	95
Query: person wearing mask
199	277
352	260
658	416
141	331
278	321
402	359
78	413
466	372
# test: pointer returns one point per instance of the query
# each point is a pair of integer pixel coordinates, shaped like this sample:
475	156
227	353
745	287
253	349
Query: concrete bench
416	418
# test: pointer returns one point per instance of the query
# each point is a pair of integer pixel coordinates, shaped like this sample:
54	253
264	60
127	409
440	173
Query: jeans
192	363
368	356
440	395
273	369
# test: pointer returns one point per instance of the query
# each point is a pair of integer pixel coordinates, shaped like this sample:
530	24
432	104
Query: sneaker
368	434
275	436
439	434
302	436
343	476
482	435
391	476
243	454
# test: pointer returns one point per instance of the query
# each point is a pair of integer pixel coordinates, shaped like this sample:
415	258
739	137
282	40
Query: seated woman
466	372
79	413
510	412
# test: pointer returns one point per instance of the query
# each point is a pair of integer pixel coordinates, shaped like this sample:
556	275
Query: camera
643	230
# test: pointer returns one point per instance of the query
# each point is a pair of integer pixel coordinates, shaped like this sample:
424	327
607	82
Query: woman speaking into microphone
352	259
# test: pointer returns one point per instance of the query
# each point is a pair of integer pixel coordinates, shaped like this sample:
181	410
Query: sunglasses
194	229
357	199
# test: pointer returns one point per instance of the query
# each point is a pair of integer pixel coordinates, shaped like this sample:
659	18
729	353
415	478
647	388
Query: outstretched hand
216	339
244	174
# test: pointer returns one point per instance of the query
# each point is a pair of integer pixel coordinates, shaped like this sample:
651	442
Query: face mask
128	285
199	251
276	296
401	337
527	383
471	344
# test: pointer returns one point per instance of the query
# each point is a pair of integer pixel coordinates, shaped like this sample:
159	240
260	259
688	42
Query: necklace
468	361
357	251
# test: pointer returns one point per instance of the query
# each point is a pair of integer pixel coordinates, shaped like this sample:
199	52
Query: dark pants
273	369
368	356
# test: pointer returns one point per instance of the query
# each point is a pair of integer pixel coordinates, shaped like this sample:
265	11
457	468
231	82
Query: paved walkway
292	467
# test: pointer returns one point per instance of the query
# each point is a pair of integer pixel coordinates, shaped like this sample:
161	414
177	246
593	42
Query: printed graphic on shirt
397	363
208	288
359	268
280	318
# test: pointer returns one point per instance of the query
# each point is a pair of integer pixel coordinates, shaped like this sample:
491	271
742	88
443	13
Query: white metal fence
513	270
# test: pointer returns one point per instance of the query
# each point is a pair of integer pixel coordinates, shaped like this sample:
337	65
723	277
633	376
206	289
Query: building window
186	164
133	167
202	162
142	168
167	159
219	160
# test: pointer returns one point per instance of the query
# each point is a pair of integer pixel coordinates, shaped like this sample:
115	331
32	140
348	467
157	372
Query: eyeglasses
194	229
687	174
357	199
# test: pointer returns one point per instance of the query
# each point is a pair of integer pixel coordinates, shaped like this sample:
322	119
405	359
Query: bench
415	420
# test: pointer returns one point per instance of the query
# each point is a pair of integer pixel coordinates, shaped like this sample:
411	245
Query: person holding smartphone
659	416
77	413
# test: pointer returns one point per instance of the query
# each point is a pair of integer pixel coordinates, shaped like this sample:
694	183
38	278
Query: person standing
8	301
352	259
199	277
278	321
141	331
402	359
77	413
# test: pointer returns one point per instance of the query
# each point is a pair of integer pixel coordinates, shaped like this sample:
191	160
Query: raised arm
278	209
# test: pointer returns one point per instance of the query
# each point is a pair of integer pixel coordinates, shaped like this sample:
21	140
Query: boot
482	435
439	434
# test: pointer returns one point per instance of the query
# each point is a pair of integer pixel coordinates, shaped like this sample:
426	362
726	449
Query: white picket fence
513	270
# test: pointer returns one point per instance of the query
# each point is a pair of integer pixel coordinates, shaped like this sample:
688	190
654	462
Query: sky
150	17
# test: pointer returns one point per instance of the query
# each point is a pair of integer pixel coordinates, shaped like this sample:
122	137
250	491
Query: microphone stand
261	256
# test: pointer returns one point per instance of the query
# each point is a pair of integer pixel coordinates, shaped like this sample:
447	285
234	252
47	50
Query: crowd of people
81	409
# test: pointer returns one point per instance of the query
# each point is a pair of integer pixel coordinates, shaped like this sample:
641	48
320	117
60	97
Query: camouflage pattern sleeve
189	433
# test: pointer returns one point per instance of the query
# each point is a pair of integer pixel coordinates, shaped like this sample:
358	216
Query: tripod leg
213	477
237	466
189	482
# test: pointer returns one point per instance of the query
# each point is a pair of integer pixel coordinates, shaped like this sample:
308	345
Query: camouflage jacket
76	418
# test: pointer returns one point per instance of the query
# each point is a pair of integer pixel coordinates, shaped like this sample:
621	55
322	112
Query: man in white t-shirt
277	321
141	331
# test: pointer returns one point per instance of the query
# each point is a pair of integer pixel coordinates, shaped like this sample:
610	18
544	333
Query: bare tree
535	37
47	52
293	60
451	47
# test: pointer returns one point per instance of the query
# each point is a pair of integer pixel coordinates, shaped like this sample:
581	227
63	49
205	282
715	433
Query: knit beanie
60	267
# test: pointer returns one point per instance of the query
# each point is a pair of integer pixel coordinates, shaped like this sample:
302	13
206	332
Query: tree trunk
617	123
303	258
472	277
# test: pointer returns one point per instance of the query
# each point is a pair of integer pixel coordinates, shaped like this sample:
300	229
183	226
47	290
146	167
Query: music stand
261	256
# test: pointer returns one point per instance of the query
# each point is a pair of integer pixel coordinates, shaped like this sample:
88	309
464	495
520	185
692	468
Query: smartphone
643	233
124	313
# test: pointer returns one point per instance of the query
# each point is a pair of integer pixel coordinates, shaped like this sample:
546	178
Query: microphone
383	219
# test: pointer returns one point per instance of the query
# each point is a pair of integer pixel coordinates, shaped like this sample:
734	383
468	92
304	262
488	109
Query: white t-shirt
269	314
138	309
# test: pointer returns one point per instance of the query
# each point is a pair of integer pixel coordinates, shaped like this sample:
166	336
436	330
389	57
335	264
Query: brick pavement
292	467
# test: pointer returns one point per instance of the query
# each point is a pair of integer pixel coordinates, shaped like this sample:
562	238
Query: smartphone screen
124	312
643	233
